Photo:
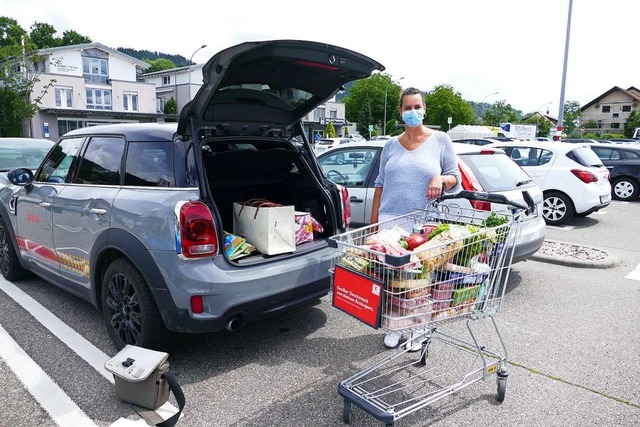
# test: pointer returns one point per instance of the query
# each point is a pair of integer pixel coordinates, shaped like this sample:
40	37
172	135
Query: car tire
129	310
557	208
625	189
9	262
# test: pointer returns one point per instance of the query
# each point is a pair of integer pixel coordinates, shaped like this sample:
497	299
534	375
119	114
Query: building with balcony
609	112
86	85
316	121
179	83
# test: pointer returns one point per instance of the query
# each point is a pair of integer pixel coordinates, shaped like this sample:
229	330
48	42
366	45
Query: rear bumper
181	320
524	251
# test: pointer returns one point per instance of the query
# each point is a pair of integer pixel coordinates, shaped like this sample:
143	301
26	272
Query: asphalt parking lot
572	336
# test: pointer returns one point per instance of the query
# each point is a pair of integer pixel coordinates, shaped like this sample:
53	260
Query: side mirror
20	176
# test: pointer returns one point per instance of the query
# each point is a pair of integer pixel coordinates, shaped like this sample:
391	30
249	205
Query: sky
487	50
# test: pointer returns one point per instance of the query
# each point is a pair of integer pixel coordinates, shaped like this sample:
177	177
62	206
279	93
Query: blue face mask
413	118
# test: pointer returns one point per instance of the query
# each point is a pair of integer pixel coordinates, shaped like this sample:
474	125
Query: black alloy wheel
130	313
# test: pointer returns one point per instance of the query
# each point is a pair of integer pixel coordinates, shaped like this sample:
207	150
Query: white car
325	144
572	177
356	167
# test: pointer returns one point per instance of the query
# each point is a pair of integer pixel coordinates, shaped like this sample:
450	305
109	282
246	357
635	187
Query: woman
415	167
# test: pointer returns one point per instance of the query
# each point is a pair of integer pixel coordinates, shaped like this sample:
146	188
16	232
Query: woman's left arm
450	172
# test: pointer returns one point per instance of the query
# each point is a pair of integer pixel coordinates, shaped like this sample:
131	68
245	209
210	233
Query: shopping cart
459	273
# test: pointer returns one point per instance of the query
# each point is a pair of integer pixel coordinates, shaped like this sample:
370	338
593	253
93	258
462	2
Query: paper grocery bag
266	225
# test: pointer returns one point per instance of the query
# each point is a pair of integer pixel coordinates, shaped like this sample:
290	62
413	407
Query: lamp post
482	103
542	105
386	91
189	65
564	76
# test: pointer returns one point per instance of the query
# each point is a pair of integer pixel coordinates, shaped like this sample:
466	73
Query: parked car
325	144
131	217
355	136
580	141
572	177
624	140
476	141
22	152
481	169
623	162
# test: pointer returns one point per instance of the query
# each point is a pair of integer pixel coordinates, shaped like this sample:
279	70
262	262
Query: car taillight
197	304
196	234
471	183
584	176
345	204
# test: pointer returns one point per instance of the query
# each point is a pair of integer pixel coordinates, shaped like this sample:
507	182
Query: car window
631	154
101	162
22	155
348	167
326	142
150	164
495	171
584	156
57	165
606	153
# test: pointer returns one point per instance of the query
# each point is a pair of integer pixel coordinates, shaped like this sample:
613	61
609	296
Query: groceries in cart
431	270
422	272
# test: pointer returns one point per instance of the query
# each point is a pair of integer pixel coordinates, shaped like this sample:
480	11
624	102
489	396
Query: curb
610	261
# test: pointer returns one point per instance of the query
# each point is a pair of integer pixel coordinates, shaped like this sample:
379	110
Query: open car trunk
238	170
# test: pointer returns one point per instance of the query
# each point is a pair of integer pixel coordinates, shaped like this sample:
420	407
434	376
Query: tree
543	125
18	54
633	121
159	65
71	37
500	112
572	115
444	102
171	106
329	130
44	35
366	100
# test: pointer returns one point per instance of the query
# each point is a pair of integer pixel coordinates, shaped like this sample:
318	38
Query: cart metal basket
459	273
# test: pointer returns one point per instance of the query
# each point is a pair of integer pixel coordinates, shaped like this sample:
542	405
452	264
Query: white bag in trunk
266	225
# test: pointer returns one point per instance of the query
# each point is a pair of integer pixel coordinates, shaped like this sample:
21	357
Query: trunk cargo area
237	172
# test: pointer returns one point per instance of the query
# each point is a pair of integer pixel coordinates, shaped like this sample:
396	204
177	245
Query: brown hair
411	91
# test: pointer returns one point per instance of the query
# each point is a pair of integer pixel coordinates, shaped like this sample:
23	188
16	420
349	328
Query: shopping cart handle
491	197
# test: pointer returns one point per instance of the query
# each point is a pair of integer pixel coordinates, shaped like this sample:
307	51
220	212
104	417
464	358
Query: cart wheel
346	412
425	352
502	388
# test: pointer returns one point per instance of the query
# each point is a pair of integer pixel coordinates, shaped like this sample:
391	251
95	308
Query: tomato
415	240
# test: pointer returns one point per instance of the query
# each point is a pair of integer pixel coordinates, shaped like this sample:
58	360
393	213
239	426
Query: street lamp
483	100
189	65
386	91
542	105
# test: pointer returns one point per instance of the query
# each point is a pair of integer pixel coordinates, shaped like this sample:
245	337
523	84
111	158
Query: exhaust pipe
233	324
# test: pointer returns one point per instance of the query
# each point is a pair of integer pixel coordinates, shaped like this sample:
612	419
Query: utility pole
558	136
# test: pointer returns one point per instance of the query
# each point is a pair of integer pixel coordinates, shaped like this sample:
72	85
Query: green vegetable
493	220
472	247
439	229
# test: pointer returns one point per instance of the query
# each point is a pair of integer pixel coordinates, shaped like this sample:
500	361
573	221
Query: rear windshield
496	172
585	156
287	98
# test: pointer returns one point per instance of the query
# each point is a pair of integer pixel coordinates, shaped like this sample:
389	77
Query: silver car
356	167
131	217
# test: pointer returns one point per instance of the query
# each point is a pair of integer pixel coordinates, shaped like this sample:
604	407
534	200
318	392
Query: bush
171	107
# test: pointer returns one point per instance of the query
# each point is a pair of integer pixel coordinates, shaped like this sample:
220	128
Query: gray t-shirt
405	175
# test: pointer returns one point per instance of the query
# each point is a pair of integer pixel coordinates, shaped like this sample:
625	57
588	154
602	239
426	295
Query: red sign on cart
358	295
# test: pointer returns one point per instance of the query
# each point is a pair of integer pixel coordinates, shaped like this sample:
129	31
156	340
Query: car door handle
44	205
354	199
98	211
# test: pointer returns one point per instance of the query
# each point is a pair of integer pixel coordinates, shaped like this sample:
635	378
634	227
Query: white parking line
48	394
95	357
76	342
635	274
562	227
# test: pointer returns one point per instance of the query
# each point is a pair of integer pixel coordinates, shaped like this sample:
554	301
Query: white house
179	83
90	84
